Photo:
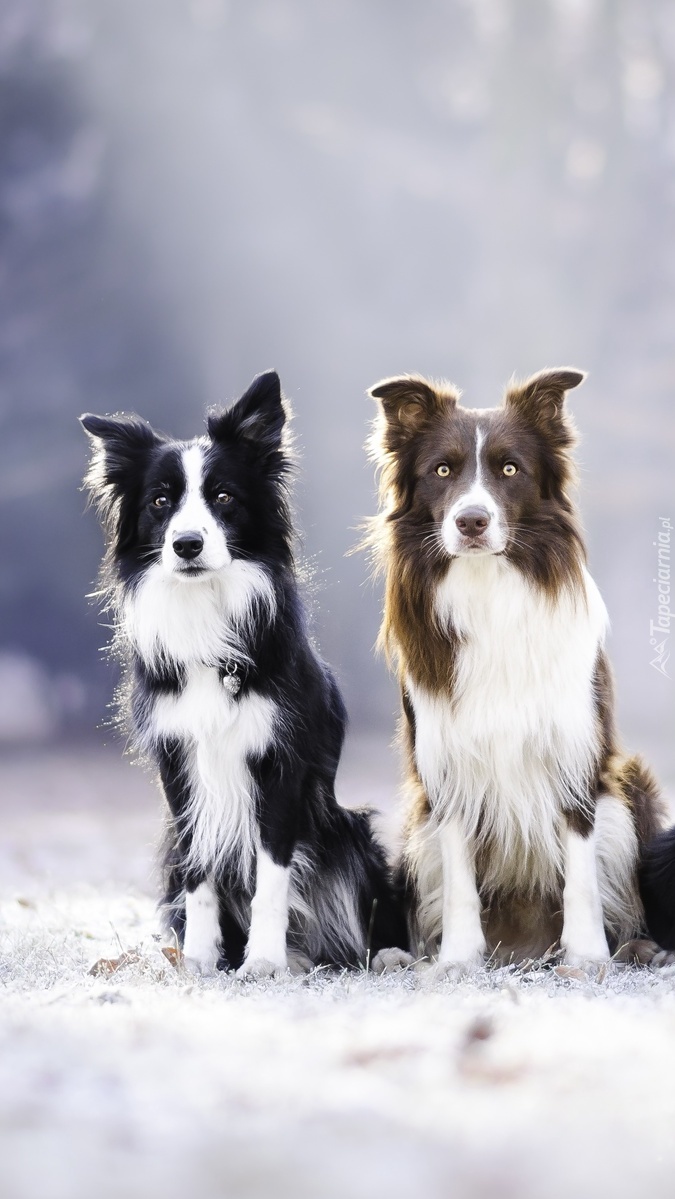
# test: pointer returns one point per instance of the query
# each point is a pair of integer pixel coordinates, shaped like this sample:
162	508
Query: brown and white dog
525	820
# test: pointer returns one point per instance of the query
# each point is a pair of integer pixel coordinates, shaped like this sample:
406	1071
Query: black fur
657	888
334	856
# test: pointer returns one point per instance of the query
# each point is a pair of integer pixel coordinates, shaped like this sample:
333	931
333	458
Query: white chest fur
220	736
169	619
519	735
194	625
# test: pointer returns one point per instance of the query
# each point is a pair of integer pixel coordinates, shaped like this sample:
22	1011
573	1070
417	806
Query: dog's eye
223	497
443	470
160	501
509	469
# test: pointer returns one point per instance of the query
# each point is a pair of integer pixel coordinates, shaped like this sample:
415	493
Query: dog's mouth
481	545
478	544
193	571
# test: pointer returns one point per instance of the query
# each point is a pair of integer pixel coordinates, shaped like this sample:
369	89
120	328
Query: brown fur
521	927
418	419
419	422
631	779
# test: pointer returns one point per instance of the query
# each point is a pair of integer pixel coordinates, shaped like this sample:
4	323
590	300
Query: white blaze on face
478	495
193	515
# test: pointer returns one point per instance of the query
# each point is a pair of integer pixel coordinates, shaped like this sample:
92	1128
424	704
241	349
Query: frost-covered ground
148	1083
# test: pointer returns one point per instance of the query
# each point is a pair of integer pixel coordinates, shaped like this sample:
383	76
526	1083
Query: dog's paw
454	971
643	952
388	960
299	963
664	957
636	953
458	958
200	967
585	963
256	969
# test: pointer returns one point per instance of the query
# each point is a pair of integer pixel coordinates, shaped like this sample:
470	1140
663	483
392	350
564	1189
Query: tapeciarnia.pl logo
659	629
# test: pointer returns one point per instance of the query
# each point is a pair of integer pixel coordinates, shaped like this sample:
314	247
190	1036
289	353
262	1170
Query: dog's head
473	482
191	508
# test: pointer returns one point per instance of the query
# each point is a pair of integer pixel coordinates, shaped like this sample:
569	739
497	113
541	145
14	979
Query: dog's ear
257	419
541	398
120	434
120	445
408	403
540	402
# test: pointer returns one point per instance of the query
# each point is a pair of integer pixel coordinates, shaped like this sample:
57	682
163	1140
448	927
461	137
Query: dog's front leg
202	938
462	943
583	938
278	785
266	948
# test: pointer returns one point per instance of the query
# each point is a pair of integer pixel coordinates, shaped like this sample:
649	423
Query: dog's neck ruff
204	629
486	591
168	620
516	740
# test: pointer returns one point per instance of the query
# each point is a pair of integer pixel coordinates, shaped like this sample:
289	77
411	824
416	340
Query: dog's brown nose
473	521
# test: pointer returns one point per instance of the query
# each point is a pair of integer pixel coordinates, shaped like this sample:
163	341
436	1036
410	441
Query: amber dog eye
509	469
443	470
223	497
160	501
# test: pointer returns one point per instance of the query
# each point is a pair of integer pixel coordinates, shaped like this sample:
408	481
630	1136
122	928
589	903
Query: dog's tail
382	899
345	905
657	887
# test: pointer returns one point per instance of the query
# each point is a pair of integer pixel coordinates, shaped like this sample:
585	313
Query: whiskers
432	545
149	553
552	557
516	539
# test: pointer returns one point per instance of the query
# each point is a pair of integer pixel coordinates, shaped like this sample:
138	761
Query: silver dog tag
231	680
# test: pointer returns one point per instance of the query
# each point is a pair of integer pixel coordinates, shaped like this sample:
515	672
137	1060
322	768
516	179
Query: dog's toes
644	952
388	960
639	952
299	963
664	957
259	968
577	961
453	971
587	963
200	967
661	957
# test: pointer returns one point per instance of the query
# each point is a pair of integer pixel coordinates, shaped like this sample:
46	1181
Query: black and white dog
226	694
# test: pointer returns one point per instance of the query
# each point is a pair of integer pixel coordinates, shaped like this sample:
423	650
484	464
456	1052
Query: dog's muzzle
188	546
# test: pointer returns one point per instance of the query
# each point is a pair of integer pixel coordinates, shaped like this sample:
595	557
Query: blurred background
192	191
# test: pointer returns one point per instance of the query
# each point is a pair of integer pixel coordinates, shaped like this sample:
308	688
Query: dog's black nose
473	521
188	545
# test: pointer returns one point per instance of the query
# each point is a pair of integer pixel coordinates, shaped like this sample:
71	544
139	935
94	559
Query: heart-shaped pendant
230	680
